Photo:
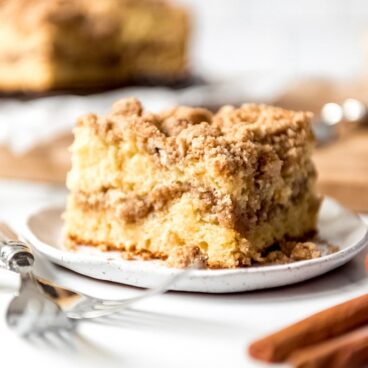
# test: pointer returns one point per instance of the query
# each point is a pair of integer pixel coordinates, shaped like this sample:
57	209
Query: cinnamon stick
349	350
321	326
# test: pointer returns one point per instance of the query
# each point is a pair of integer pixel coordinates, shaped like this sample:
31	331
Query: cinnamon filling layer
132	207
213	206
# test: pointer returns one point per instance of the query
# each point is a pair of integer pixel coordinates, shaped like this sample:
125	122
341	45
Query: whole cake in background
76	44
186	185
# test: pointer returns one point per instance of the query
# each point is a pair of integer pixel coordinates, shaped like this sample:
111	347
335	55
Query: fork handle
14	254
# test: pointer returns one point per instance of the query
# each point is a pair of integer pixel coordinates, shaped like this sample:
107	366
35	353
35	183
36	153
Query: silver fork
42	306
31	313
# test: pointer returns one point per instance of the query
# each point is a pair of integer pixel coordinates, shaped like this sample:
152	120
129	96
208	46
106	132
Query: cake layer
231	184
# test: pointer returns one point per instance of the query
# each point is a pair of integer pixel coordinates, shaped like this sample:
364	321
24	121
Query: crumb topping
231	138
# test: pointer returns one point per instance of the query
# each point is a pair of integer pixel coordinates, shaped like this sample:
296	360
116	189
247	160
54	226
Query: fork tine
52	339
104	307
26	321
44	338
112	304
149	292
67	338
61	339
101	307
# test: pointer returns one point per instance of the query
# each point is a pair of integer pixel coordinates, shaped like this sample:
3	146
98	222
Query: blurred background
308	37
300	55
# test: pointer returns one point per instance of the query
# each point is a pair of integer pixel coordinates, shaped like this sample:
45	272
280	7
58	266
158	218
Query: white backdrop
304	36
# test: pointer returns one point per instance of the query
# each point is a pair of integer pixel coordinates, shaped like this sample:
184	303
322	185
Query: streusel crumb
186	256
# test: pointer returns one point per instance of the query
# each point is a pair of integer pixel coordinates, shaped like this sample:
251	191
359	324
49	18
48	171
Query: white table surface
171	330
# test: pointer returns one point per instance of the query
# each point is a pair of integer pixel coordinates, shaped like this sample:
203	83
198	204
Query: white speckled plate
336	225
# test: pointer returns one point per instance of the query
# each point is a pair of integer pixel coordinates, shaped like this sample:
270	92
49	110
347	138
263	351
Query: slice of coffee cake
81	44
185	183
